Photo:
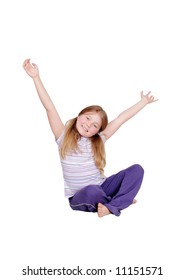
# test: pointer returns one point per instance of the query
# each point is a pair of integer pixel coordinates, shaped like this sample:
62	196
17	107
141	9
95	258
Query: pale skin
87	124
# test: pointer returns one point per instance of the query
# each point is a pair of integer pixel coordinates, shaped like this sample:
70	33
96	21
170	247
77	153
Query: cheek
80	119
78	124
79	128
94	130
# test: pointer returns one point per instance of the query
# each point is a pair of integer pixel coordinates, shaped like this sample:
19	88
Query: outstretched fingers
150	98
26	62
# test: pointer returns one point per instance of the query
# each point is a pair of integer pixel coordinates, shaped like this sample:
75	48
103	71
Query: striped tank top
79	169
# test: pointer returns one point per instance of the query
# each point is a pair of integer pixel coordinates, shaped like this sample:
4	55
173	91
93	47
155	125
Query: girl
81	147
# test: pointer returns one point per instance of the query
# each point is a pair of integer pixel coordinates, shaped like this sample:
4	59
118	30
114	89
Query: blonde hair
71	137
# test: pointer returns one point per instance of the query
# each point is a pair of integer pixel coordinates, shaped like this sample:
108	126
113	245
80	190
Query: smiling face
89	124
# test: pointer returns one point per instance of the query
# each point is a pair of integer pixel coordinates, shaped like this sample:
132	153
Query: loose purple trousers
117	192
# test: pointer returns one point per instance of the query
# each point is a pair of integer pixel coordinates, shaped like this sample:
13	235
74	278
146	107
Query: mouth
85	128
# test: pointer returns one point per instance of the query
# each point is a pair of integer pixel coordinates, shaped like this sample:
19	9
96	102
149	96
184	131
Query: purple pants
116	193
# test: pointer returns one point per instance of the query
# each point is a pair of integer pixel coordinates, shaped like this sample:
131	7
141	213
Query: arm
52	114
114	125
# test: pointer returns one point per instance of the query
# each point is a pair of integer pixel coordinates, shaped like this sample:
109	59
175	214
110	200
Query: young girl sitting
82	153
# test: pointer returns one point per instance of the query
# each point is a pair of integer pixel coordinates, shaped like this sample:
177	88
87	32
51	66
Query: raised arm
114	125
52	114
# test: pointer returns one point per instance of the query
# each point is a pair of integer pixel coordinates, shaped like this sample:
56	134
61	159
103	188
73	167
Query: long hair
71	137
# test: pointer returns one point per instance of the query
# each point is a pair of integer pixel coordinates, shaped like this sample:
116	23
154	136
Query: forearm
114	125
132	111
42	93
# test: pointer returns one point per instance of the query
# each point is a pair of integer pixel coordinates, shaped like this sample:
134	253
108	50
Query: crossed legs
115	194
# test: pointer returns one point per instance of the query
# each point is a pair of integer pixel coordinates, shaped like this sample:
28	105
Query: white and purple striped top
79	169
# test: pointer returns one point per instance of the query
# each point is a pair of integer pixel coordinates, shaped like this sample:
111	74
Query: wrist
144	101
36	78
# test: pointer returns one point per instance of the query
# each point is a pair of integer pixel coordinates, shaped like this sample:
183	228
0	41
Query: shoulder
103	137
60	138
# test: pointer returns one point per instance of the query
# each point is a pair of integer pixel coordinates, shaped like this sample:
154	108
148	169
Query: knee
91	191
138	169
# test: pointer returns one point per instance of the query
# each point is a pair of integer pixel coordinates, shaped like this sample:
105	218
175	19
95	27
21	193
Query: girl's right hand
31	68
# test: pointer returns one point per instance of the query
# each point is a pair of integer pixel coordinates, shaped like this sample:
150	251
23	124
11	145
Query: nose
89	123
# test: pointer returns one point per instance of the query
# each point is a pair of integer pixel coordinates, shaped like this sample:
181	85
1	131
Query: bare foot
102	210
134	201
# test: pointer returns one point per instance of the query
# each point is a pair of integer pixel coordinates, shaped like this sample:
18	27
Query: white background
92	52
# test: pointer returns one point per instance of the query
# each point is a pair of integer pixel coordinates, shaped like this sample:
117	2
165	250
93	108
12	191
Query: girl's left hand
148	97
